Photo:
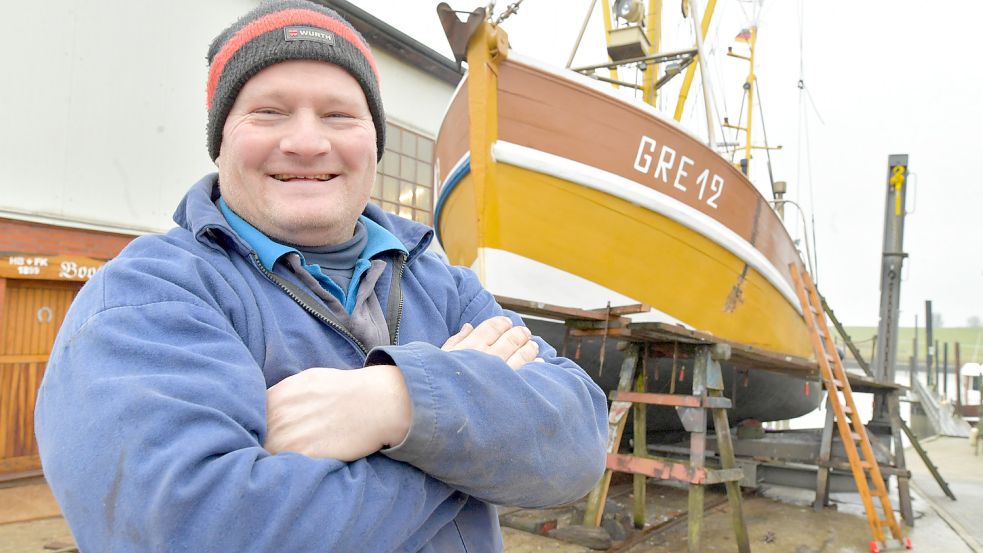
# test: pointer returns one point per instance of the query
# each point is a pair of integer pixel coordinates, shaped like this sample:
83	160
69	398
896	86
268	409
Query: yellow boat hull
625	247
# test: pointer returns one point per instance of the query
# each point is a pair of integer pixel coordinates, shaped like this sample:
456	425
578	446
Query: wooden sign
48	267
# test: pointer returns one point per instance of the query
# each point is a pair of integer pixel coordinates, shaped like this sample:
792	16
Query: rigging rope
715	32
764	132
803	132
737	127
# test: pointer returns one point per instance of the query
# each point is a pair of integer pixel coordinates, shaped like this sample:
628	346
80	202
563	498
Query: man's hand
497	336
339	414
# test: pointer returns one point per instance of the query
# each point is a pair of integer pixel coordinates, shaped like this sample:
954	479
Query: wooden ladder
852	431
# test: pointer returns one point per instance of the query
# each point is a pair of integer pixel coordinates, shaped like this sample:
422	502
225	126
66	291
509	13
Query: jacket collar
199	214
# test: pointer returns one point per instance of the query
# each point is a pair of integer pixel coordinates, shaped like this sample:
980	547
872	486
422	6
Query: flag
744	35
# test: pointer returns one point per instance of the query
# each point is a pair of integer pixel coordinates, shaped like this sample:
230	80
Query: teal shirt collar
378	240
268	250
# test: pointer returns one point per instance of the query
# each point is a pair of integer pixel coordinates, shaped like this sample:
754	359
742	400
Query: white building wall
105	108
411	97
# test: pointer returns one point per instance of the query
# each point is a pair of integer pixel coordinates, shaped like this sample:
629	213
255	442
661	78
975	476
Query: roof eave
390	39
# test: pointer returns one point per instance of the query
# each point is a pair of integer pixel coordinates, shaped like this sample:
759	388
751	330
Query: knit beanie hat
281	30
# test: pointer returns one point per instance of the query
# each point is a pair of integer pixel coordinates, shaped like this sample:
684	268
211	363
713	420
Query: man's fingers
499	337
457	338
510	342
523	355
491	330
485	334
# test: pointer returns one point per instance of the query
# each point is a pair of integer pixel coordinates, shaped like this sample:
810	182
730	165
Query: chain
513	8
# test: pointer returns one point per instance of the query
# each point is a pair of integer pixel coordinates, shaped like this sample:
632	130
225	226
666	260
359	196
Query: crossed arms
320	412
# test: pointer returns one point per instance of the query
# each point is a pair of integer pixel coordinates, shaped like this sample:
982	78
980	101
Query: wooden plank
671	399
548	310
3	311
617	417
6	409
20	464
13	431
33	381
660	469
611	332
10	359
640	440
618	310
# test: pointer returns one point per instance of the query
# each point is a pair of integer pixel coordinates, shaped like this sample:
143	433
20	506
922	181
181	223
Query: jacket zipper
310	309
396	290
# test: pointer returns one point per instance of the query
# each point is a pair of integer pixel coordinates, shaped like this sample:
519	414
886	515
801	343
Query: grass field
970	340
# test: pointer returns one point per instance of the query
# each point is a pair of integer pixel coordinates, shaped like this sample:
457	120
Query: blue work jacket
151	417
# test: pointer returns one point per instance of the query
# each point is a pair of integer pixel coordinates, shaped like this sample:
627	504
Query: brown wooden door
33	311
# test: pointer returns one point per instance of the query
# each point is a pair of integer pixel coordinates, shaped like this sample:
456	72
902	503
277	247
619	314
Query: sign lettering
48	267
708	187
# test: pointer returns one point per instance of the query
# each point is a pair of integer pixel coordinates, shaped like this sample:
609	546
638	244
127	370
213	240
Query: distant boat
554	188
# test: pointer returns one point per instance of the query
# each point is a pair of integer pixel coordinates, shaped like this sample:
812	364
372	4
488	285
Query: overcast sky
884	77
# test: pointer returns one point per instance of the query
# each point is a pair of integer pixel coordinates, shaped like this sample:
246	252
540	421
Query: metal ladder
852	431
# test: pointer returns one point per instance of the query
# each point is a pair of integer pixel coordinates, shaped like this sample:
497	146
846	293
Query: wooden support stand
707	396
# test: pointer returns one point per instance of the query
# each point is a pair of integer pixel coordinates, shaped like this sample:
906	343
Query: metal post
935	368
959	396
892	259
576	45
928	342
904	491
914	355
913	363
822	468
945	370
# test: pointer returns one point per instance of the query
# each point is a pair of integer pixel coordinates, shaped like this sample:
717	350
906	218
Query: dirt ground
33	536
778	519
772	526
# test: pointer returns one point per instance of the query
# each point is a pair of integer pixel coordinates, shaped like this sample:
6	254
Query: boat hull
758	395
602	191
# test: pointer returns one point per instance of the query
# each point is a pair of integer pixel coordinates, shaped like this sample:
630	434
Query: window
404	179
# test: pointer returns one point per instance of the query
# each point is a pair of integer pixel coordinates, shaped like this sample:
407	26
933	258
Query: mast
653	28
691	70
606	11
707	92
751	39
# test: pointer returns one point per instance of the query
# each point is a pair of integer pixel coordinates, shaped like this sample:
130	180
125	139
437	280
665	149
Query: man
290	369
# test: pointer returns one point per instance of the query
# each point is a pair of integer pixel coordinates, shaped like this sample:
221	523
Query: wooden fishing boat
554	188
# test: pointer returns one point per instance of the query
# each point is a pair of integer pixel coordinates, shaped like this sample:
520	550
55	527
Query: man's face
298	154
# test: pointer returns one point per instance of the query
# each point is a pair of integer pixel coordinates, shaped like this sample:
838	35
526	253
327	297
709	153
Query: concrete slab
963	470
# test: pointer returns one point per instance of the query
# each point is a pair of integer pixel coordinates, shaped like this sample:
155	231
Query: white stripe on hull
512	275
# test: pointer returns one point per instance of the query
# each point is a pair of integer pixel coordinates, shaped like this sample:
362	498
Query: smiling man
290	369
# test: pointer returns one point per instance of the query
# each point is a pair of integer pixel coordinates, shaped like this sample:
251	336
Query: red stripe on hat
275	21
